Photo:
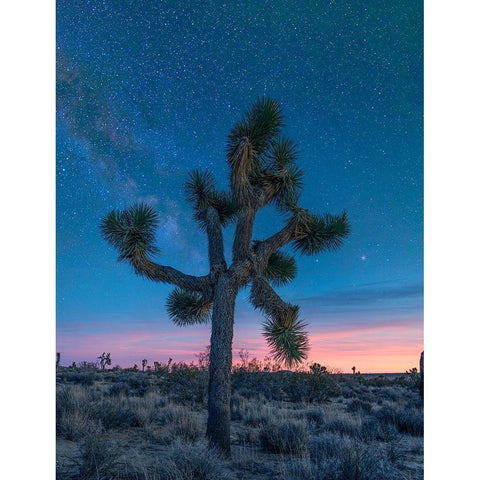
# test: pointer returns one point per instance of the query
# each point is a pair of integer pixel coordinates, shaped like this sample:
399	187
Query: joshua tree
353	370
318	369
144	364
263	171
58	359
104	360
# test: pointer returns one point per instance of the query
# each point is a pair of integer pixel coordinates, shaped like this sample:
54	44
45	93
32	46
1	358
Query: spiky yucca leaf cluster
131	231
286	336
188	308
260	125
317	233
278	175
281	269
200	190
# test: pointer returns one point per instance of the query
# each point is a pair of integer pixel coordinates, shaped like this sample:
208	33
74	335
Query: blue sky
147	93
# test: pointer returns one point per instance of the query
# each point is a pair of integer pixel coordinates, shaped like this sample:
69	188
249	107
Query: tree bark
218	424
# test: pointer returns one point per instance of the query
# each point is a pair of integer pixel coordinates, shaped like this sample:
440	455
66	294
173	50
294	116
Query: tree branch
215	241
264	249
243	234
264	297
160	273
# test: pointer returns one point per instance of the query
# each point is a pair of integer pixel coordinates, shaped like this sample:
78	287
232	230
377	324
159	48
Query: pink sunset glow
389	347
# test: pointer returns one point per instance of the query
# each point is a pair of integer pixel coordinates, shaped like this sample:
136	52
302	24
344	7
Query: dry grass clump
284	436
406	420
342	458
99	457
358	405
344	426
194	462
175	423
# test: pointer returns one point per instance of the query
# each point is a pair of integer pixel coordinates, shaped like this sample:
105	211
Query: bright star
363	257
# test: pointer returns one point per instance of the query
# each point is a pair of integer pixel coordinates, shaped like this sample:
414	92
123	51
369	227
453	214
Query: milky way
147	91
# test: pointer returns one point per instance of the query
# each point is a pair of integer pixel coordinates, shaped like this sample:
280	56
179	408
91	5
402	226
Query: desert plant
284	436
57	363
194	462
406	420
104	360
144	364
318	369
98	456
263	172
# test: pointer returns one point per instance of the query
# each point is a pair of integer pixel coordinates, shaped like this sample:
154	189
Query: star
363	258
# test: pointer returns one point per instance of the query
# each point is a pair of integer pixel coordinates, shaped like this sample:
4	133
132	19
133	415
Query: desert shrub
358	405
72	401
306	387
120	388
118	412
405	420
74	425
343	458
255	385
177	423
256	415
297	468
185	427
284	436
237	407
373	429
344	426
99	457
315	417
185	384
357	462
194	462
326	445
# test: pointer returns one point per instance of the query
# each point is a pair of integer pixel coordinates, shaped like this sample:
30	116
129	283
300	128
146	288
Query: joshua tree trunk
218	425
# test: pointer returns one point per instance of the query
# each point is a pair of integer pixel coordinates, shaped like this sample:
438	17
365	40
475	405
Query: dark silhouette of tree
57	363
263	171
353	370
144	364
104	360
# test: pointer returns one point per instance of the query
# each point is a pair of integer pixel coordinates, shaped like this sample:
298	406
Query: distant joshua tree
57	363
263	172
104	360
353	370
144	364
318	369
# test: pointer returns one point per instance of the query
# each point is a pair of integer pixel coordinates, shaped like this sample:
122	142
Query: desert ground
128	424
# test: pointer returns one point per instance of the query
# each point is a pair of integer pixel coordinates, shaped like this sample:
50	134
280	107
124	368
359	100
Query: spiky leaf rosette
131	231
281	269
200	190
286	336
315	233
188	308
278	175
249	139
260	125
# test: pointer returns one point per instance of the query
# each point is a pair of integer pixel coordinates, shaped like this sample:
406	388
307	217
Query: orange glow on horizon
386	348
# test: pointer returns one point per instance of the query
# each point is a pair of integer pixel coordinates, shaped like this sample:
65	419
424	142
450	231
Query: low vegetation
149	425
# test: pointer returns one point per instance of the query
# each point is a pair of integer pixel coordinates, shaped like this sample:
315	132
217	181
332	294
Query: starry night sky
147	91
